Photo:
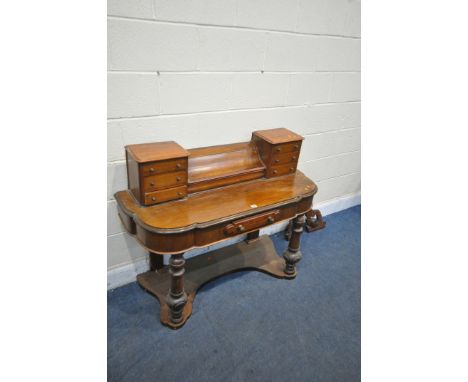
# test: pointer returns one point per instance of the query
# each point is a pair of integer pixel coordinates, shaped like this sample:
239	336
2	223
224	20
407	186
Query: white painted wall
209	72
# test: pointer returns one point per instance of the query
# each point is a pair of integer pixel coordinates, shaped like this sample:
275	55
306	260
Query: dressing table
179	199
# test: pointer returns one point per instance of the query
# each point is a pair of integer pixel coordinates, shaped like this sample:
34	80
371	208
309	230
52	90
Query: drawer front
170	179
165	195
153	168
252	222
282	170
286	147
279	159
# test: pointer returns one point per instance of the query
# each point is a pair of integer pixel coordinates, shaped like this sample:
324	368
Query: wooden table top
210	207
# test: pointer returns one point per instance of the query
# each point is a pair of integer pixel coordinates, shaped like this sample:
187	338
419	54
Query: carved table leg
292	255
176	297
314	224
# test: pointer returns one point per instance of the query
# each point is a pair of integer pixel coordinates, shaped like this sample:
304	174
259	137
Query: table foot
313	222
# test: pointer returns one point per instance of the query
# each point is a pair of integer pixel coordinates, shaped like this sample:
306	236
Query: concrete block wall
209	72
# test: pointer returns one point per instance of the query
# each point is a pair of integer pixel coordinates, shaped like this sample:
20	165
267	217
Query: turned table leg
176	297
292	254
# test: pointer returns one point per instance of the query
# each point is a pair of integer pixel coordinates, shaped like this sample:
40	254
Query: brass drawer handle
241	228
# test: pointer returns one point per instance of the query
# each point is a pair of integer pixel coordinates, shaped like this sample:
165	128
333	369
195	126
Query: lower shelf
259	255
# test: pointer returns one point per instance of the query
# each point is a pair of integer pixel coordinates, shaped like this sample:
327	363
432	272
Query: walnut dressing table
183	199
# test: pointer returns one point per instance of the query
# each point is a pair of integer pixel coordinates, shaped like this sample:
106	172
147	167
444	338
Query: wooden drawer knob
296	146
291	168
180	193
178	165
276	160
278	149
153	198
275	172
178	178
271	219
241	228
151	169
294	158
152	184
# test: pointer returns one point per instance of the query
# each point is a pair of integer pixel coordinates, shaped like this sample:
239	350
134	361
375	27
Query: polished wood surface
219	204
178	200
149	152
218	166
279	135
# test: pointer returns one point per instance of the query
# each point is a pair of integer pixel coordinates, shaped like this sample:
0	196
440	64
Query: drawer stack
157	172
279	150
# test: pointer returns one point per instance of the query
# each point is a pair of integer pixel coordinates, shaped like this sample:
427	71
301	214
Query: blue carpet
249	326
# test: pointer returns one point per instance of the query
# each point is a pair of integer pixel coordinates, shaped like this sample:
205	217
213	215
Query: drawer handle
296	146
152	184
294	158
278	149
241	228
178	165
291	168
178	178
275	172
153	198
276	160
180	193
271	219
151	169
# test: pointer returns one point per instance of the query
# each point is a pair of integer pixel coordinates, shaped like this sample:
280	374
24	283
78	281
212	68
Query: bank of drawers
283	159
163	181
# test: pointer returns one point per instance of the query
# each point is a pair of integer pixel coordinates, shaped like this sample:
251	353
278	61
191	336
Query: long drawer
252	222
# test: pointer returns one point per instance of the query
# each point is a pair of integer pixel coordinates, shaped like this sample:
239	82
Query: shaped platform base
259	255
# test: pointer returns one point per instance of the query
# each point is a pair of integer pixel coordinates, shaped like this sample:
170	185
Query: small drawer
283	169
279	159
253	222
153	168
287	147
170	179
165	195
